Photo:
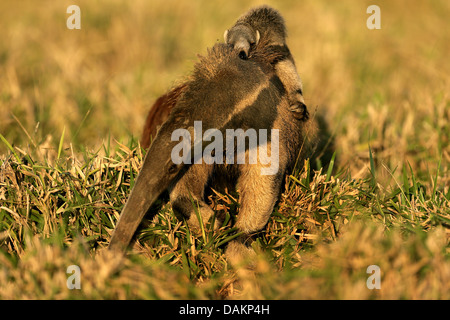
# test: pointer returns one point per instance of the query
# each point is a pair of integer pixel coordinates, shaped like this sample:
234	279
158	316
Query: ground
377	193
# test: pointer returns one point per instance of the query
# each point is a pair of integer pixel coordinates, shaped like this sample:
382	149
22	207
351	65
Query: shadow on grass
325	149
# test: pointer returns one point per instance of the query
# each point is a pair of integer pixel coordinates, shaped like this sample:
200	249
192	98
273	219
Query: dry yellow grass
387	89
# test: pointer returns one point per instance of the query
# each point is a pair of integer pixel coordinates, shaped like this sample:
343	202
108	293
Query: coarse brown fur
221	95
159	113
273	42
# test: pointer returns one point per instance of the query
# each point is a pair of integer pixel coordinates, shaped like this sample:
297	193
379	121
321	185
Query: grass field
73	104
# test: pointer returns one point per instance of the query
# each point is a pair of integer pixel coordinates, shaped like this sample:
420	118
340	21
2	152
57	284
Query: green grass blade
433	195
373	181
10	148
330	167
61	142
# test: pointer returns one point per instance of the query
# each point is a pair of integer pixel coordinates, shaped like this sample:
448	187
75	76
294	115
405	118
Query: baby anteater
266	24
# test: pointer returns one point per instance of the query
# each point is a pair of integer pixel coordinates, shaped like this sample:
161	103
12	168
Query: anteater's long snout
157	172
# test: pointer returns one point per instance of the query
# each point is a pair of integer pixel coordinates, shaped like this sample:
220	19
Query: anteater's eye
172	169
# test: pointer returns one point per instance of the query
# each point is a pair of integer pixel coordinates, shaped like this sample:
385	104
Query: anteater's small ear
257	37
225	35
